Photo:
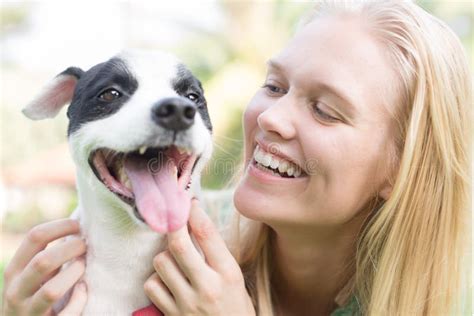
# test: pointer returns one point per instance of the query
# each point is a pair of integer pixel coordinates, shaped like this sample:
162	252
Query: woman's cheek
254	108
251	113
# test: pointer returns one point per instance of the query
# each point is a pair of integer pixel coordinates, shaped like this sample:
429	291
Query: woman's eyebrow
273	64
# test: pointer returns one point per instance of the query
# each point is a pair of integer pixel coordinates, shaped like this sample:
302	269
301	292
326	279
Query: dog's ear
54	95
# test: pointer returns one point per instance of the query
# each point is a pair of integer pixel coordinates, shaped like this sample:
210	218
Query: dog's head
139	128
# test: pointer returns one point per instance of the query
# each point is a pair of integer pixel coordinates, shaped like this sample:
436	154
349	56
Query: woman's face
319	134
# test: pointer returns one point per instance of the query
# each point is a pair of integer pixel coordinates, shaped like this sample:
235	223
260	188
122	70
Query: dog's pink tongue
164	206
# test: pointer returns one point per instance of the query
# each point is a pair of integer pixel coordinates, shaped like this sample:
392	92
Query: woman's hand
185	283
33	279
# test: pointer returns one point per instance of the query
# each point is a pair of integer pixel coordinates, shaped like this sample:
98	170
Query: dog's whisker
228	138
221	148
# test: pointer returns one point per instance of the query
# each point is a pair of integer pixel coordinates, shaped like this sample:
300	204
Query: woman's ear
57	93
386	191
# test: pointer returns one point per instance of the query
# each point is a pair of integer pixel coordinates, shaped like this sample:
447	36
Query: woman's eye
272	89
110	95
322	114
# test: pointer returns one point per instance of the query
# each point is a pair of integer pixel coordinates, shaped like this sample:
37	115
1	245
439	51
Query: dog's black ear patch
57	93
186	83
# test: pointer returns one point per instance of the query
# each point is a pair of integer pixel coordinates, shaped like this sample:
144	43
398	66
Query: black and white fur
120	245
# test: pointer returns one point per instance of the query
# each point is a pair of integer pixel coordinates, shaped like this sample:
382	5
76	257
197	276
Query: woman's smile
269	164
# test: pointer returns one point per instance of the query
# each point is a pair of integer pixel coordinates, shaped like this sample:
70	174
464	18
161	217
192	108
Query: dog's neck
119	252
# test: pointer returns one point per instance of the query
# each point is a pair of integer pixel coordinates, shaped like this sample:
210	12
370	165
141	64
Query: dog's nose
174	113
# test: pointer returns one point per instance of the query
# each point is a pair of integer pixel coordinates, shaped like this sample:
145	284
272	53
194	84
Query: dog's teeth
181	150
142	150
174	172
128	184
121	176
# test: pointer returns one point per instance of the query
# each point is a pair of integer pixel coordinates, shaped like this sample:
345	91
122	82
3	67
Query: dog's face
139	127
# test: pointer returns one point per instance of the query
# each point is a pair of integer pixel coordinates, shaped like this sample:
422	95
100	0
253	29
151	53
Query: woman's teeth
276	164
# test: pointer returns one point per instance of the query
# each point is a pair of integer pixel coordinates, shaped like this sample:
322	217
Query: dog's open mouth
152	180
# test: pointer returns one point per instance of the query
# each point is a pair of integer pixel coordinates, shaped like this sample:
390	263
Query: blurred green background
225	43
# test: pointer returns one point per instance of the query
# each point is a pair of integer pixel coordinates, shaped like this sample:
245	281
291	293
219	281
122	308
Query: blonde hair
413	253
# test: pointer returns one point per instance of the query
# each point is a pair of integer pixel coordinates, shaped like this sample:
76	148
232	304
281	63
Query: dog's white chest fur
115	276
119	256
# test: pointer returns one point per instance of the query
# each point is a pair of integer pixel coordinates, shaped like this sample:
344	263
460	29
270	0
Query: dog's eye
193	97
110	95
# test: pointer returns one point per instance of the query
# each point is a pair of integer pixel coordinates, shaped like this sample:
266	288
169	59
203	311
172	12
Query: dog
140	134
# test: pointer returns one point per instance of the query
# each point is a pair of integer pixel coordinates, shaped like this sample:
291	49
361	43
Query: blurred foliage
227	154
459	15
3	265
12	17
21	220
39	205
72	204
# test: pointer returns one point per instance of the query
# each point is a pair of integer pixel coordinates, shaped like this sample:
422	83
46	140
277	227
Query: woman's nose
277	119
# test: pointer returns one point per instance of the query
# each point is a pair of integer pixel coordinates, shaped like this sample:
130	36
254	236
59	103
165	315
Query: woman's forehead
341	53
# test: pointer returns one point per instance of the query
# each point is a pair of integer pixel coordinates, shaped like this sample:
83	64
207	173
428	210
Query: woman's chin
242	202
251	202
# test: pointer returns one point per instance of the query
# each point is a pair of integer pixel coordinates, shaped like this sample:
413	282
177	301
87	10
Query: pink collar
148	311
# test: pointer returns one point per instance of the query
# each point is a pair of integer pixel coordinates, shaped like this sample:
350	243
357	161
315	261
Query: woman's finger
171	275
51	275
38	238
209	239
55	288
45	262
159	294
77	302
187	257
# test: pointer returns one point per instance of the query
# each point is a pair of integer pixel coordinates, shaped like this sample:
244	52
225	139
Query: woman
355	190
